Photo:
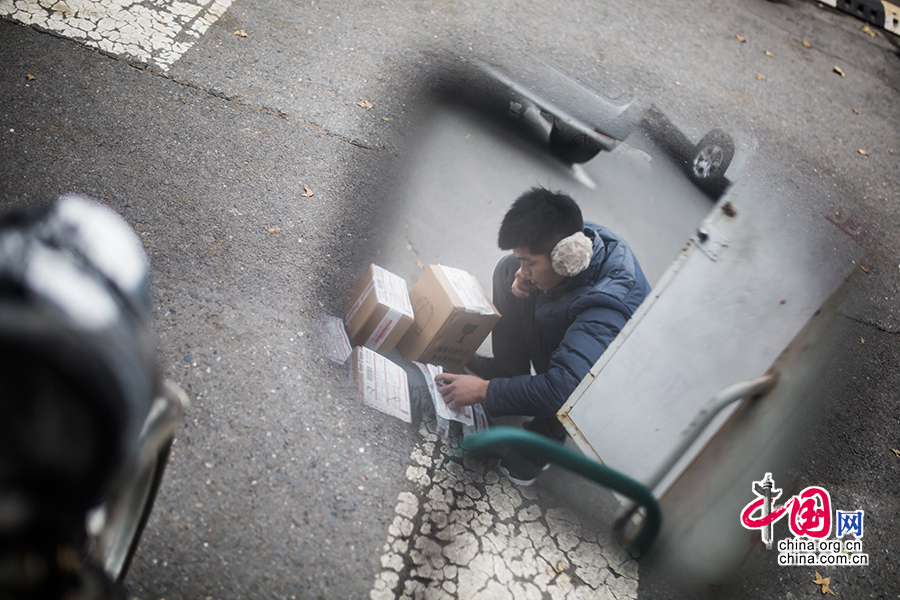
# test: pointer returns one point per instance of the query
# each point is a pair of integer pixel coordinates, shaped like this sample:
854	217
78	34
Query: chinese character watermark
810	521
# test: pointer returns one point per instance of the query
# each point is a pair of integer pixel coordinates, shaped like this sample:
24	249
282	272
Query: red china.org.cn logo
810	520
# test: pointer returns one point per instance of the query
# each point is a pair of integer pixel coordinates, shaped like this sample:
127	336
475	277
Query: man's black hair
538	219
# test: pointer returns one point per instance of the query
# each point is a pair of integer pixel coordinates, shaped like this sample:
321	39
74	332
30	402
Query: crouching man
564	294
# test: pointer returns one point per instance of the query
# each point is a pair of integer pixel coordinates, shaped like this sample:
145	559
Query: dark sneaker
521	469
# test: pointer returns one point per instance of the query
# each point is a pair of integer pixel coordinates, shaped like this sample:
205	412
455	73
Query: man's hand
461	390
521	286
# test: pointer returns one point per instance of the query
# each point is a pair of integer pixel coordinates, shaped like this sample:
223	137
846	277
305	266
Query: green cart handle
501	438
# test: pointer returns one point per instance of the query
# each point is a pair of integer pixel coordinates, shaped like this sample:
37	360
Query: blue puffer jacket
574	323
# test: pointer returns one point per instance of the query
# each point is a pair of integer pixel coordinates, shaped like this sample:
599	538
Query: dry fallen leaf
896	452
839	71
824	582
862	340
29	77
240	33
409	247
806	44
740	38
769	54
421	265
365	104
855	112
863	152
307	193
865	270
760	76
867	29
273	229
183	101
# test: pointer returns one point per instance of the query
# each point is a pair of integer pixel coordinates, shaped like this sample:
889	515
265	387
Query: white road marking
156	33
891	14
469	533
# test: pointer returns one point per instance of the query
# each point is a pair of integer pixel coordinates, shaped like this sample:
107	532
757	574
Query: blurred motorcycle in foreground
85	420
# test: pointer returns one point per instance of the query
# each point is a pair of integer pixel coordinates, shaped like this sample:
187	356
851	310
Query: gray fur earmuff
572	255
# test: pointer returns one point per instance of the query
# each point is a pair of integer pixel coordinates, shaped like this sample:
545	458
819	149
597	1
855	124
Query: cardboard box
378	311
382	384
452	317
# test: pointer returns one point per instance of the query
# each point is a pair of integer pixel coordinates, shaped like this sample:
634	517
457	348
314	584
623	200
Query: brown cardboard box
382	384
378	311
452	317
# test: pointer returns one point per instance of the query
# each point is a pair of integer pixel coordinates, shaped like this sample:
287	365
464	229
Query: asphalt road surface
204	125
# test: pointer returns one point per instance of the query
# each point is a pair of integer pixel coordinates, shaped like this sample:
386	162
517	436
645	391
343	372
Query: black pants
517	342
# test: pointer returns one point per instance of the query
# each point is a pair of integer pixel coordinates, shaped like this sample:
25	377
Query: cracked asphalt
470	533
280	485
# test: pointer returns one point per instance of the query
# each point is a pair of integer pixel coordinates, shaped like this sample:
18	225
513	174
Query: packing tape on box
359	301
466	287
387	324
390	289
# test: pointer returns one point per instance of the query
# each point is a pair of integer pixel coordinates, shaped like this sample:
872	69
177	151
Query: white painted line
156	34
891	17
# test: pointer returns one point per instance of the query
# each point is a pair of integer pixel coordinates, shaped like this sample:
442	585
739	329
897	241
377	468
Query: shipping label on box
469	292
383	384
453	316
378	310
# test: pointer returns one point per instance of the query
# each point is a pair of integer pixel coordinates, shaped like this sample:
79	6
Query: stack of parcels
438	325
